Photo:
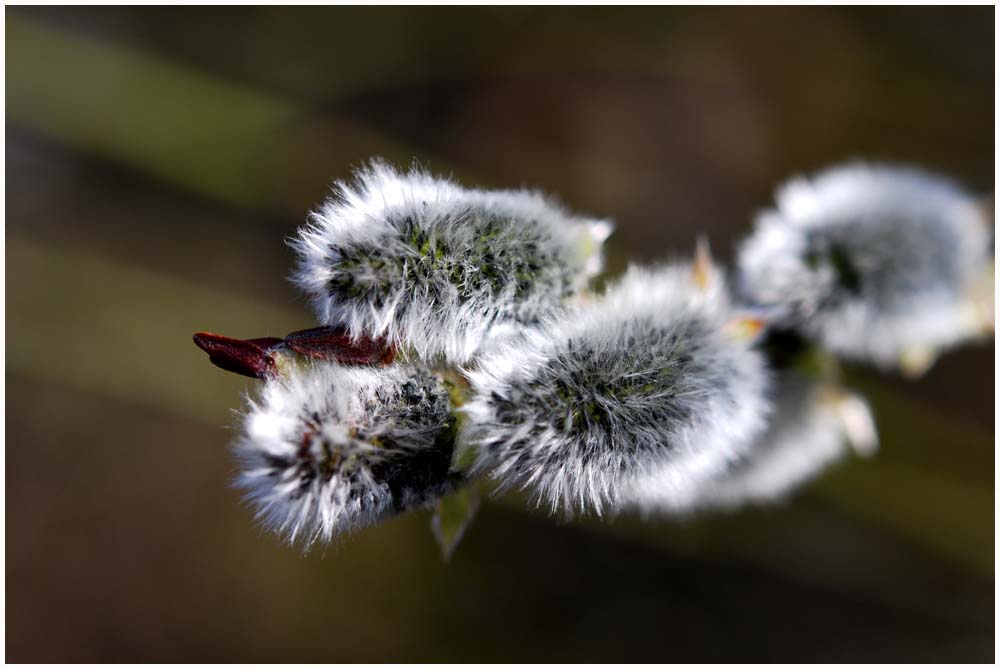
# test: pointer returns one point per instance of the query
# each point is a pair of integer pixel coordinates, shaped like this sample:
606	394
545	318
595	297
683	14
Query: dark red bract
330	343
249	357
255	357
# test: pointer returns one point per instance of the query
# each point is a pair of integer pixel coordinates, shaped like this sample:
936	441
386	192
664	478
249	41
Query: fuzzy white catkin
871	261
806	435
327	449
644	383
439	268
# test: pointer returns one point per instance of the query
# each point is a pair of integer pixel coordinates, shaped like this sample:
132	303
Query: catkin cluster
460	340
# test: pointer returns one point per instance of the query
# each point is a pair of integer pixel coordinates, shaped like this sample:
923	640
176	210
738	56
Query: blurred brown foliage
156	158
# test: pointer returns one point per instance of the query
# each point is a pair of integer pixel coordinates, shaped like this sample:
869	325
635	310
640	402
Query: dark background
156	158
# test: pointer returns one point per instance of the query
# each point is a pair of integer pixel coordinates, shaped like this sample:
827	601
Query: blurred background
157	158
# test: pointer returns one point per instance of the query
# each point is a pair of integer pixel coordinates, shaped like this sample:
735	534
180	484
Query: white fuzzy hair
871	261
327	449
805	438
437	267
642	385
806	434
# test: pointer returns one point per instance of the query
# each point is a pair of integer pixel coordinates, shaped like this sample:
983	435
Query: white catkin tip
437	267
872	261
328	449
858	423
613	402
